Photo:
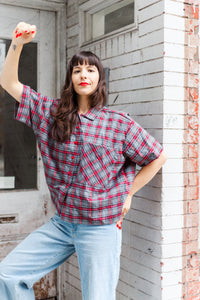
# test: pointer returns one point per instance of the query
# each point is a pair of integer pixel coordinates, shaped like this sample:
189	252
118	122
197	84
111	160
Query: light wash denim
98	250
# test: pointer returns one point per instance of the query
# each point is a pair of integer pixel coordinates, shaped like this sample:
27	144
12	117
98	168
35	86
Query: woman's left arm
142	178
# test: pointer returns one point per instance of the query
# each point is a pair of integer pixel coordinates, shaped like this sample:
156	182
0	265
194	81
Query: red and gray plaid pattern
90	175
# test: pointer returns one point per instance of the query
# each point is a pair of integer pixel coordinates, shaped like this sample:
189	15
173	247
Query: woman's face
85	79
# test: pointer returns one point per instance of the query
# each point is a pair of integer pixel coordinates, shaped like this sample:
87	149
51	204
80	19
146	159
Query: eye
76	71
90	70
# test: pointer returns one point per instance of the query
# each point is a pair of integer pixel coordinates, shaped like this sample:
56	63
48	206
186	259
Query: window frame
86	12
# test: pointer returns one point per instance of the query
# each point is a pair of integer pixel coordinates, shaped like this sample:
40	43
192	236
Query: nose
83	74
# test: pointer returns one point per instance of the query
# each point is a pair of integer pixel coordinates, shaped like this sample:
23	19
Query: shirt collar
93	113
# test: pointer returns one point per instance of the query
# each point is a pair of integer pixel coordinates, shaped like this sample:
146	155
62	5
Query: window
99	22
18	151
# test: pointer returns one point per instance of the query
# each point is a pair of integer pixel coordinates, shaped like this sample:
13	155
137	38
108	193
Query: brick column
191	283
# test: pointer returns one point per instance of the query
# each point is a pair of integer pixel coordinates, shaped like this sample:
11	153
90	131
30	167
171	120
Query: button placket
76	142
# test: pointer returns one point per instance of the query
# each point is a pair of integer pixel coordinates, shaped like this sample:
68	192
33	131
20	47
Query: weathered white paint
136	63
33	207
173	136
16	201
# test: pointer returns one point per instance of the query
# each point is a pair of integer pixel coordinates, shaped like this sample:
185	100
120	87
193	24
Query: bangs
85	57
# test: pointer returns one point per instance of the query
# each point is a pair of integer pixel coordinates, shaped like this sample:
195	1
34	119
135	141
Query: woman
89	154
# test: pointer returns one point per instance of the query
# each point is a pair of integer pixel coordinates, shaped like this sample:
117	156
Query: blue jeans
98	250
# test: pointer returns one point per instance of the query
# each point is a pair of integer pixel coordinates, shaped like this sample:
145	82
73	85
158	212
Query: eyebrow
88	66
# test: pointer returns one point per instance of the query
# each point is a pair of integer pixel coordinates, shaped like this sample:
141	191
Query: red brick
193	41
191	220
192	298
193	234
192	11
191	193
191	165
193	151
195	11
192	25
194	261
190	247
191	53
193	206
193	66
193	179
193	288
193	79
193	108
193	122
190	235
191	136
192	274
193	94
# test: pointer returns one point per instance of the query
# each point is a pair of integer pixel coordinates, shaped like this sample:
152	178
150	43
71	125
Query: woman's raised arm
23	34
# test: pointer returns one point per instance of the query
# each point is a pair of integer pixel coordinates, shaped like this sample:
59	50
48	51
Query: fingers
125	209
124	212
24	32
119	223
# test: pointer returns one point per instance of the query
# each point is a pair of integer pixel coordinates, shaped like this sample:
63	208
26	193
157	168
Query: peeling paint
195	11
193	122
46	287
194	261
193	151
191	287
193	94
193	108
191	137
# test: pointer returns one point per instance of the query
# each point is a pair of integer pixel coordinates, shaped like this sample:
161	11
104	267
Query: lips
84	83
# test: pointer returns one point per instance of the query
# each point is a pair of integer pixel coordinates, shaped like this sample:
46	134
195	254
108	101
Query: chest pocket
96	165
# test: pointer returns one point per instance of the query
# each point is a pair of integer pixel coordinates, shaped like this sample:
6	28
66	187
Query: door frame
59	8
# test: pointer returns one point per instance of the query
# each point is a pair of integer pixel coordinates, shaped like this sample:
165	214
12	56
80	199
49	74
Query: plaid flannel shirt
90	175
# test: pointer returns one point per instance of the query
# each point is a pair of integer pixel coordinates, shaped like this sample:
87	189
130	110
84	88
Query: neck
83	104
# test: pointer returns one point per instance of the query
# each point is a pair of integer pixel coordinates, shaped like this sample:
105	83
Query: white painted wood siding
136	63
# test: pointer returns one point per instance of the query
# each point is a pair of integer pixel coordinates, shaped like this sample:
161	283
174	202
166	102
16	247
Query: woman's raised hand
23	33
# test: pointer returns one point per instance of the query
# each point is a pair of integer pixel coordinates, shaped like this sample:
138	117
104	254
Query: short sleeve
139	145
31	108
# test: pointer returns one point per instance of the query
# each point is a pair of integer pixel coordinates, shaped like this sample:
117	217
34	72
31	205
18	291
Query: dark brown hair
66	113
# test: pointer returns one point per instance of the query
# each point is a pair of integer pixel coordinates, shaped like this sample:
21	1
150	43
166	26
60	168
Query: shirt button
69	173
77	127
75	142
72	157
